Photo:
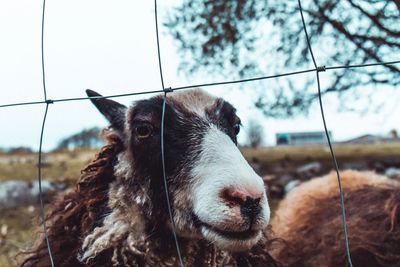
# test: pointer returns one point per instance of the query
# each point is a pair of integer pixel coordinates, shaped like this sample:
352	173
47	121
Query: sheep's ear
112	110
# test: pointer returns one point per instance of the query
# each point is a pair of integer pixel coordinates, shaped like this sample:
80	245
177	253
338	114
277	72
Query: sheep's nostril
251	208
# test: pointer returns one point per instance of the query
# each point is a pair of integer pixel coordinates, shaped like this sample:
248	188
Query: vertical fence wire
342	205
178	250
164	90
42	52
42	210
341	193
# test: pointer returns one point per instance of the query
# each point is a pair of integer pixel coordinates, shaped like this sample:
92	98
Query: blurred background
111	47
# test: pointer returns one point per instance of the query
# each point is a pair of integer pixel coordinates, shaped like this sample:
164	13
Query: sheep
117	215
310	224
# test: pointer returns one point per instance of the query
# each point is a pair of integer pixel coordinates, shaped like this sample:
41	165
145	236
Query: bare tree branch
233	38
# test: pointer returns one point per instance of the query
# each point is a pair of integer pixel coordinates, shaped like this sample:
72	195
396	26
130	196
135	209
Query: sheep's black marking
112	110
223	114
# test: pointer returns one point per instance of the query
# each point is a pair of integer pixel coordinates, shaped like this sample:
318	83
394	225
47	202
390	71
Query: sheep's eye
236	128
144	131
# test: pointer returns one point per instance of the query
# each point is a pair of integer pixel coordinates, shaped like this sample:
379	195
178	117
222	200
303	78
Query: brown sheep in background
309	221
117	215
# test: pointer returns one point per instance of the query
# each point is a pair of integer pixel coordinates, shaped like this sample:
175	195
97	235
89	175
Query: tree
255	134
87	138
394	134
232	36
20	149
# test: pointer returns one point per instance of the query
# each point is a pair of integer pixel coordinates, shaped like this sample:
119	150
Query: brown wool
309	220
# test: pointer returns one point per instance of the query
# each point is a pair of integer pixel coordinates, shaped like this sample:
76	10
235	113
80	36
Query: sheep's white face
229	198
215	194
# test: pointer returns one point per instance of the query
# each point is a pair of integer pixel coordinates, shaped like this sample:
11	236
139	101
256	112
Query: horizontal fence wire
317	69
327	68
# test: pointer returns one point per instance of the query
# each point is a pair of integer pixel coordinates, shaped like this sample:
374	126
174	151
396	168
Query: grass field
66	165
310	153
17	232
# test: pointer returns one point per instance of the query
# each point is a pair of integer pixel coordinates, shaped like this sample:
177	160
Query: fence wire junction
317	69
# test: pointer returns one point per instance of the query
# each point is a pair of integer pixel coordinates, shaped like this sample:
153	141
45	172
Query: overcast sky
110	47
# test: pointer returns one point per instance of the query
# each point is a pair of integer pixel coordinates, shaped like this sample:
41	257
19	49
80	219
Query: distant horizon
244	142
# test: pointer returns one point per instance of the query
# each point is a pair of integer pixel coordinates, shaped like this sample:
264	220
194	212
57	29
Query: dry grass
17	233
64	165
19	224
310	153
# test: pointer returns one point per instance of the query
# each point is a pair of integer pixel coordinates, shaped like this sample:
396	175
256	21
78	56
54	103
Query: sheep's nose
251	208
248	201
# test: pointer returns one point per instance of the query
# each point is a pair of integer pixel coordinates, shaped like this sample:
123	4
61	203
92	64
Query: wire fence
317	69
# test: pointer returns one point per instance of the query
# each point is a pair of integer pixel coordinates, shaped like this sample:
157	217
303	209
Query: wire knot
321	68
168	90
49	101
